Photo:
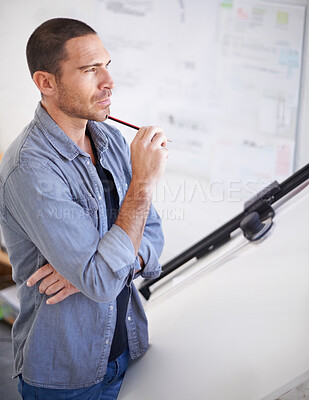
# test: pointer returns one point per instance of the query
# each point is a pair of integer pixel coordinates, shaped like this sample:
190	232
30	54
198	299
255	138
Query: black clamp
259	213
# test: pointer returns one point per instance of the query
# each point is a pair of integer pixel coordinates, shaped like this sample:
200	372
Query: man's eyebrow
93	65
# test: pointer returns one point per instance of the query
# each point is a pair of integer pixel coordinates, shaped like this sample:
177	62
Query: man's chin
99	117
102	116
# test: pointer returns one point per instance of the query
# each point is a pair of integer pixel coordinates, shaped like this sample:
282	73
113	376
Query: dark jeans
108	389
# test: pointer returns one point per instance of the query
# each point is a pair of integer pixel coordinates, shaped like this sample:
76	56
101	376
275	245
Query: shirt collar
98	136
61	142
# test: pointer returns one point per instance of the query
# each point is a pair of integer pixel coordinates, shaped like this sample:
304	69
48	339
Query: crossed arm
148	156
55	284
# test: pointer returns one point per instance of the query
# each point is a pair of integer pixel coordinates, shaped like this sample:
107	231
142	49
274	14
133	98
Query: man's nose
106	80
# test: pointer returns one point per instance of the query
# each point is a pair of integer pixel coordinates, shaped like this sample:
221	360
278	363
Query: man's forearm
134	211
148	157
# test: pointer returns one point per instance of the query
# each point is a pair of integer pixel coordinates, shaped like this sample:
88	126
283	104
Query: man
75	213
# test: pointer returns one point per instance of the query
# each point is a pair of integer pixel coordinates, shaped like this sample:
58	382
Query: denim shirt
52	209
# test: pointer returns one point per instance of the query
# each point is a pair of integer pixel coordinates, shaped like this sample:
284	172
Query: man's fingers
40	274
141	132
152	132
47	282
54	288
147	133
52	283
58	297
159	139
63	294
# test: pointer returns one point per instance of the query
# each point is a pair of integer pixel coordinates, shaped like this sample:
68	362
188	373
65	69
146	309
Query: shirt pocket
89	205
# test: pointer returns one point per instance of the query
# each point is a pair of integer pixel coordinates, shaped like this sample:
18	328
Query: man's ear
45	82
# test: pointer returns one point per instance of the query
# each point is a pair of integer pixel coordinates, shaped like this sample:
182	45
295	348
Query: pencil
126	123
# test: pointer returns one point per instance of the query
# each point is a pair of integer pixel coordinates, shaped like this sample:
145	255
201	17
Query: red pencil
126	123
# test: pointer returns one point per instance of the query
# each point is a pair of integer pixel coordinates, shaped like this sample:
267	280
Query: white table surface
238	330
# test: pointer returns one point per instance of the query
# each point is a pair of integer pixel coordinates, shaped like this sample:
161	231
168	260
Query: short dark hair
46	46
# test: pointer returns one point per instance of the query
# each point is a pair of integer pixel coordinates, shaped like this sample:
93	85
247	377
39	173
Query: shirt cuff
152	267
118	251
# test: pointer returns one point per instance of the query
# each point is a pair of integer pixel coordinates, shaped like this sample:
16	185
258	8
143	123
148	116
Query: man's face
84	89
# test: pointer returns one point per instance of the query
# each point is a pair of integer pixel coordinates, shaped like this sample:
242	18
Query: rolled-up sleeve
65	234
152	245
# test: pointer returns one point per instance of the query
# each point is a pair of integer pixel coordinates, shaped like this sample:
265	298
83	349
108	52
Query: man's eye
92	69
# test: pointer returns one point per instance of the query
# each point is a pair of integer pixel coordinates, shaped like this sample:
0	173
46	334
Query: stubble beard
74	106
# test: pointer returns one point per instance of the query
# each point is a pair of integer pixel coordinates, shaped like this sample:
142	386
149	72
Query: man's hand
52	283
149	153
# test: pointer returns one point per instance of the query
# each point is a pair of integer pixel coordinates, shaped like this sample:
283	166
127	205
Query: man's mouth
105	102
105	99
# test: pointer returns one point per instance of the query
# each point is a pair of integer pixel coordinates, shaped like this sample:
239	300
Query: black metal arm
260	203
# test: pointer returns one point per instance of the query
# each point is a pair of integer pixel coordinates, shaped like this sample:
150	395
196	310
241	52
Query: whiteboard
225	88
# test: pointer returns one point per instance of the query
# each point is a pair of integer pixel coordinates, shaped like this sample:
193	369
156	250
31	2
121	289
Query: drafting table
232	325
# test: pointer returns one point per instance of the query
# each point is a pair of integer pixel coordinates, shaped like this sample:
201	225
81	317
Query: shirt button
88	162
107	341
129	318
100	197
111	308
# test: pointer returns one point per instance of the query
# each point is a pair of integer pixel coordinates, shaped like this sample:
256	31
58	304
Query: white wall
18	19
